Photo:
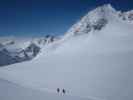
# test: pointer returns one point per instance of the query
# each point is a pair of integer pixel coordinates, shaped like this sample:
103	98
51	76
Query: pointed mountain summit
97	19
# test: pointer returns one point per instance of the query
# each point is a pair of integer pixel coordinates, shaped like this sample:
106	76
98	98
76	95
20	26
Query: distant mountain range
16	51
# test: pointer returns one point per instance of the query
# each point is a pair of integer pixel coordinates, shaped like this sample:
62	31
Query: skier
63	91
58	90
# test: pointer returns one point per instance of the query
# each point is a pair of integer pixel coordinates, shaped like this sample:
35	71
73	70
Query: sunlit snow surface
98	65
13	91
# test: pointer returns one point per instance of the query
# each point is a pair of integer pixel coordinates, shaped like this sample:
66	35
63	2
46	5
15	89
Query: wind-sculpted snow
96	65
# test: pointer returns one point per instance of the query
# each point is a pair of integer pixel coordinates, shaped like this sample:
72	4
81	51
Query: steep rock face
6	58
32	50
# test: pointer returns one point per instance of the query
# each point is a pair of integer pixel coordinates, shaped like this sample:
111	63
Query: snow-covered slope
96	63
15	92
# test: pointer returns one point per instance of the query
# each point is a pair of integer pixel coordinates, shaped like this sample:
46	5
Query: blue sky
41	17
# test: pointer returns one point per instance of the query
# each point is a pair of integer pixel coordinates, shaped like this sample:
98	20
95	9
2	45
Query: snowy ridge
96	19
86	24
127	16
15	50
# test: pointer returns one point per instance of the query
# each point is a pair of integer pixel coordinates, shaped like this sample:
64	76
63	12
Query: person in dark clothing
63	91
58	90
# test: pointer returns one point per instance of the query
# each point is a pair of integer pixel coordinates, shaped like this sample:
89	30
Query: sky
42	17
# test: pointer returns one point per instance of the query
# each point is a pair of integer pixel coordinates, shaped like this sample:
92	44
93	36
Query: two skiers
63	91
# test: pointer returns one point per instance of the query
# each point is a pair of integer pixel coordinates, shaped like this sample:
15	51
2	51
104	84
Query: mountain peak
107	7
96	19
93	20
101	12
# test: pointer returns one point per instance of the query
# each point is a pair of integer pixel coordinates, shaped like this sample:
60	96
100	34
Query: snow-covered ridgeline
97	19
14	50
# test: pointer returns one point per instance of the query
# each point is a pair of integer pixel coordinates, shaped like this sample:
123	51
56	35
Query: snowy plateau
92	61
